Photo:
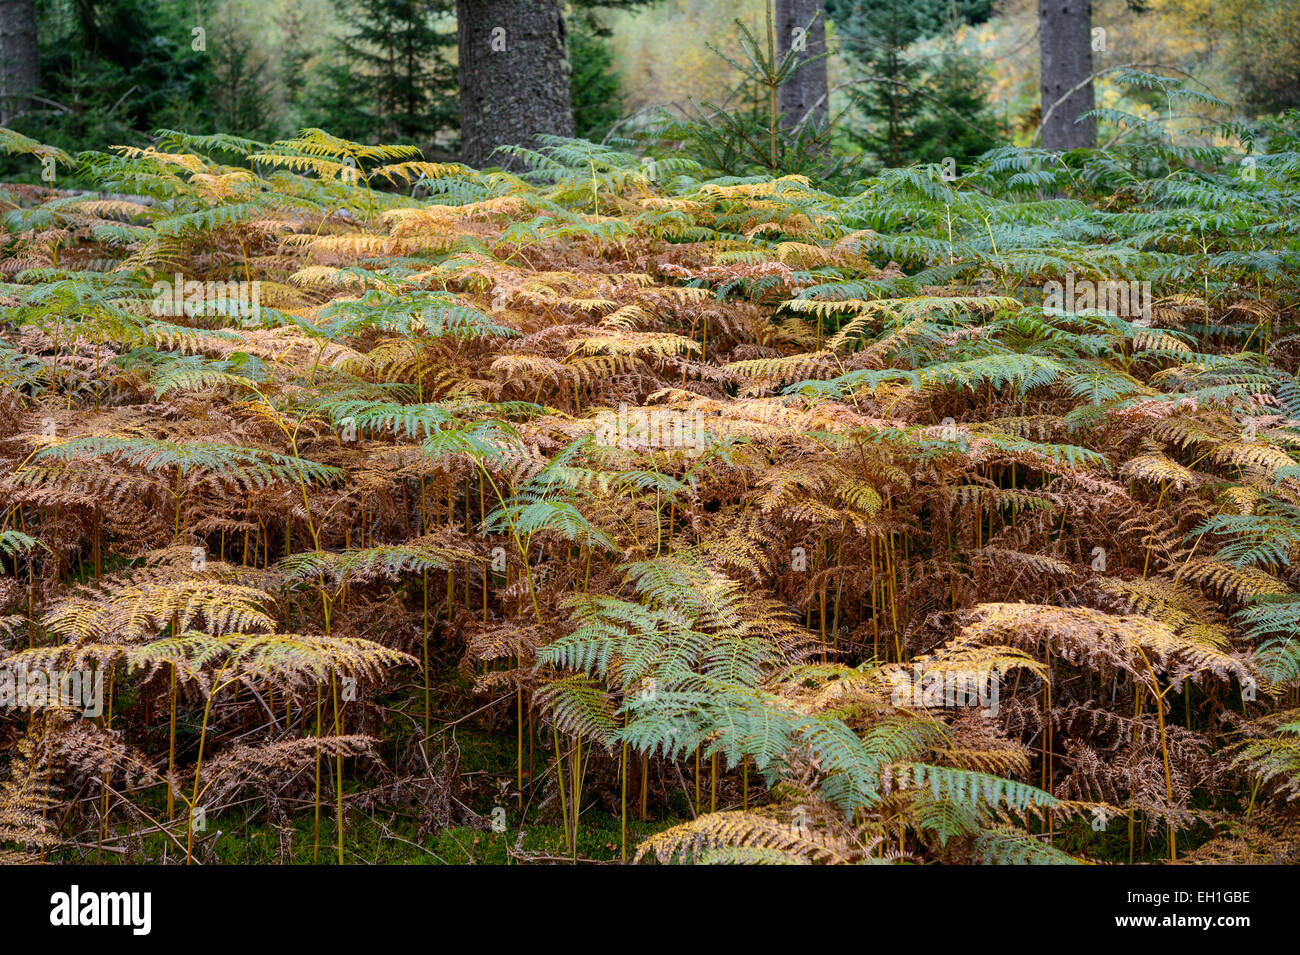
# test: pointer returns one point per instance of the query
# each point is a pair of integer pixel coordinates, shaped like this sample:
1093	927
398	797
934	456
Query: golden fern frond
1174	603
656	344
1239	583
135	612
1158	469
25	800
1136	644
792	839
1266	457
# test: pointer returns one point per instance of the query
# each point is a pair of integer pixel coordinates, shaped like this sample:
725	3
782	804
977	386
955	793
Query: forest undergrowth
927	520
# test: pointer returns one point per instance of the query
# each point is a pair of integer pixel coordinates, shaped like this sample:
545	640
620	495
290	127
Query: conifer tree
892	95
394	79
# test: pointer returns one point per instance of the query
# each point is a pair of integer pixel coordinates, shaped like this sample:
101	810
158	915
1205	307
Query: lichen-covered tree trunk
514	76
801	25
1065	47
19	66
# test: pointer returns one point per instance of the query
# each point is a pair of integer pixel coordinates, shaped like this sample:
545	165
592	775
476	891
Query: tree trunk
514	76
802	24
1065	45
20	72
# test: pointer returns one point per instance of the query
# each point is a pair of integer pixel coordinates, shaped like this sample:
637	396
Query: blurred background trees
901	81
20	73
913	101
391	74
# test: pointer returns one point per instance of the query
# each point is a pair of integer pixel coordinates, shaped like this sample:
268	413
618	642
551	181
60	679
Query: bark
514	76
1065	45
806	89
19	66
